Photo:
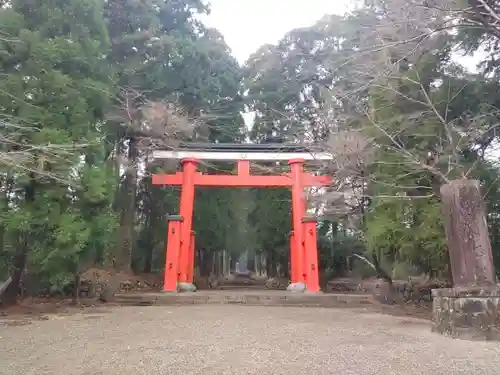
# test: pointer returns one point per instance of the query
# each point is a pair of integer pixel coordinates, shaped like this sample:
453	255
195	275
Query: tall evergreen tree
54	91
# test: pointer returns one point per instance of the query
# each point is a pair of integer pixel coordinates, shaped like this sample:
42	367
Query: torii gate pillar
298	212
186	211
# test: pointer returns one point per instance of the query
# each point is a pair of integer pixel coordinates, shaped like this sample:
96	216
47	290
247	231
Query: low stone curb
305	300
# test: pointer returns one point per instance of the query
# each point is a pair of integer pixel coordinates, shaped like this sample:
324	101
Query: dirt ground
31	310
232	339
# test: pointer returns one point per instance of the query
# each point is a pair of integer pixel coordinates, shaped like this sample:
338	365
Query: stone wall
403	291
467	312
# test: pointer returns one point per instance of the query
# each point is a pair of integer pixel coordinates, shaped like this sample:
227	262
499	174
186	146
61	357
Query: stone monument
471	309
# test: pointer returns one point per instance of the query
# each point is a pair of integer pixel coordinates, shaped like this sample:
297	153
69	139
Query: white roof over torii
252	152
252	156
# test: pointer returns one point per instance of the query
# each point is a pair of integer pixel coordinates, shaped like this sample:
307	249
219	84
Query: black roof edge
244	147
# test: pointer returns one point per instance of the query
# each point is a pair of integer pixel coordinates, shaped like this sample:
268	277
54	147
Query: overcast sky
248	24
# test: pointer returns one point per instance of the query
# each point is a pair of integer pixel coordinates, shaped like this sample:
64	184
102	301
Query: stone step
269	298
242	287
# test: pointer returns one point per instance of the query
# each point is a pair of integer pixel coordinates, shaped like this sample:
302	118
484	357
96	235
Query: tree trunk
123	258
5	193
148	260
205	262
270	264
11	293
114	166
466	229
381	273
76	289
148	242
5	284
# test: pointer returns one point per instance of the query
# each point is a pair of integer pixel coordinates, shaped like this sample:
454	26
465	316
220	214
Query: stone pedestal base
186	287
297	287
471	313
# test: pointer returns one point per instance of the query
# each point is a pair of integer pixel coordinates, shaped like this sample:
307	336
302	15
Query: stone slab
297	287
186	287
471	313
474	291
251	298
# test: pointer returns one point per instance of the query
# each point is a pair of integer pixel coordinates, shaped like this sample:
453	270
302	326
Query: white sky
248	24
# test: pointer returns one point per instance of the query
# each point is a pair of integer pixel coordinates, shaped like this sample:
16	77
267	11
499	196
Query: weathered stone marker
471	309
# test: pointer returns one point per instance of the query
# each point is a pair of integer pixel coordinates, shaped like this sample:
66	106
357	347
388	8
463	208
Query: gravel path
233	340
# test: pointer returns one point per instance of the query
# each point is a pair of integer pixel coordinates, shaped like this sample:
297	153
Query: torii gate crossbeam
180	247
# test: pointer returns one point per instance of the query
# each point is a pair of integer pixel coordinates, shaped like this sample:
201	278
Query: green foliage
410	232
271	219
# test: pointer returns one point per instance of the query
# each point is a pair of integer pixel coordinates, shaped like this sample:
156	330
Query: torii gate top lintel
231	155
190	156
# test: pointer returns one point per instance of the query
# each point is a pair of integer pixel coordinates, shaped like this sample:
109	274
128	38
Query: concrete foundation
471	313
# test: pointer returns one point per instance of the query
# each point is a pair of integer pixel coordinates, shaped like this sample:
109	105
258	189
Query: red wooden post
293	259
244	169
298	211
190	269
311	254
186	211
172	254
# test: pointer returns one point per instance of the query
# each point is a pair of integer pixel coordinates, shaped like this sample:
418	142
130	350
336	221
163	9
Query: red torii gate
180	252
